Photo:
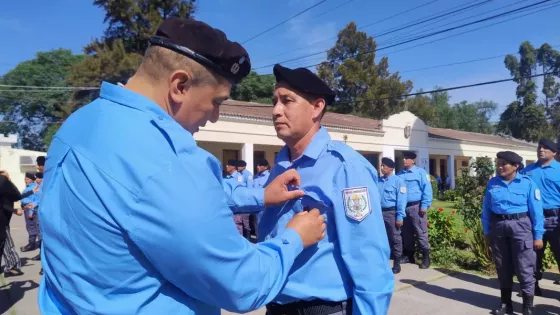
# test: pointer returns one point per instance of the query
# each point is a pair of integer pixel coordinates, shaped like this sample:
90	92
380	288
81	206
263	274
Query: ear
179	83
318	106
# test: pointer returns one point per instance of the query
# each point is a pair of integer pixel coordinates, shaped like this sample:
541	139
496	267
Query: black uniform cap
262	163
232	163
548	144
39	175
510	157
409	155
206	45
241	163
302	79
41	160
30	175
388	162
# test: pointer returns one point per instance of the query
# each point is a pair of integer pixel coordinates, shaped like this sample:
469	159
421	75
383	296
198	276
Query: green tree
363	87
474	117
421	106
31	112
255	88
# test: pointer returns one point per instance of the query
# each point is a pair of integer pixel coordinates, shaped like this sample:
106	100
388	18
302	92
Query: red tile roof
450	134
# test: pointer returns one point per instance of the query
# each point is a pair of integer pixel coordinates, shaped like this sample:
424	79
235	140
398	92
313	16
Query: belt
313	307
514	216
551	212
389	209
413	203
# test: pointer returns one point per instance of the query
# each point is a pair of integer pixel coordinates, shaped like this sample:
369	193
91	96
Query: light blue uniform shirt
353	259
247	177
548	180
135	220
521	195
261	179
418	186
29	199
393	194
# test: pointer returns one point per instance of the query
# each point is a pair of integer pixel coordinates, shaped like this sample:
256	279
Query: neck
545	162
510	177
388	174
139	84
297	146
409	167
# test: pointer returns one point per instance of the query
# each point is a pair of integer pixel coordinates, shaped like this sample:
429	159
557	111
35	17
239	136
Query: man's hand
538	244
399	224
277	191
310	225
19	212
423	211
29	206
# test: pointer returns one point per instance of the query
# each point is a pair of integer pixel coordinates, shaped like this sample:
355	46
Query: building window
257	156
373	158
229	155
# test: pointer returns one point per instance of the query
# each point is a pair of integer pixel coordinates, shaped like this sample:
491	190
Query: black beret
262	163
409	155
302	79
521	166
241	163
388	162
206	45
41	160
30	175
548	144
510	157
232	163
39	175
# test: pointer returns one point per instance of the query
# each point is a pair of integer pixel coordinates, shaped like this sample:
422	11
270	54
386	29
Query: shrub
448	195
433	181
443	236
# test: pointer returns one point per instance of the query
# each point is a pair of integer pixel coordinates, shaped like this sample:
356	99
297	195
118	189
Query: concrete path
417	292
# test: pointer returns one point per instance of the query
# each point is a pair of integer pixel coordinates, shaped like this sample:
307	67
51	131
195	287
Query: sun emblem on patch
356	203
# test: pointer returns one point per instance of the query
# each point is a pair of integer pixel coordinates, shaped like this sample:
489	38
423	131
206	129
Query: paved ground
418	292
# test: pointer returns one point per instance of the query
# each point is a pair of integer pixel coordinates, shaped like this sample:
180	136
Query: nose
215	115
277	110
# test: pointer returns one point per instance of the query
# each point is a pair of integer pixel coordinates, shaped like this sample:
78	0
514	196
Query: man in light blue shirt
419	196
134	215
513	223
235	178
348	272
247	175
259	181
546	174
392	190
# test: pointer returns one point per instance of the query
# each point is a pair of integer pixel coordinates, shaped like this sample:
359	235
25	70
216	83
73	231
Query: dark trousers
415	224
253	222
32	227
512	247
393	233
242	223
552	237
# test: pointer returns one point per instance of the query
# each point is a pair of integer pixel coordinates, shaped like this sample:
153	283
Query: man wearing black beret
512	220
546	174
140	215
419	195
392	190
348	271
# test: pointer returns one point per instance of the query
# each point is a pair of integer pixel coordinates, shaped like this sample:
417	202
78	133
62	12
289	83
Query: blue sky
39	25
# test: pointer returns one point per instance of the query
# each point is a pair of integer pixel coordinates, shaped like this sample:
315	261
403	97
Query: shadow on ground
15	291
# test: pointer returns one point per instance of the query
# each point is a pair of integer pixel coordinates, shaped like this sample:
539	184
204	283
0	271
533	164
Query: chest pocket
412	185
553	179
518	197
389	193
312	200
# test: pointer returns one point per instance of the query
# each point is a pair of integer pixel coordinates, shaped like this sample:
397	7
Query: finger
301	213
315	212
291	177
294	194
323	235
324	226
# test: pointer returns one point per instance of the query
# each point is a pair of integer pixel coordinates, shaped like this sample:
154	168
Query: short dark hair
41	160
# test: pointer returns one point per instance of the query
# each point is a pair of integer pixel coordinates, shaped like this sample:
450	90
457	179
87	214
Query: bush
443	236
548	259
433	181
448	195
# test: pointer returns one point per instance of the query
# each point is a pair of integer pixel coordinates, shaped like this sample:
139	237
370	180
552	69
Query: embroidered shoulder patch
356	203
403	190
428	177
537	194
240	179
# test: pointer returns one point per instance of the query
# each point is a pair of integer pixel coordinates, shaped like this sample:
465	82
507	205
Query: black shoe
396	266
425	260
13	273
538	291
38	257
528	304
27	248
404	260
41	272
506	306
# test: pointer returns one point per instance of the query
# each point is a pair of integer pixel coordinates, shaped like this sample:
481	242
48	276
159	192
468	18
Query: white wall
10	161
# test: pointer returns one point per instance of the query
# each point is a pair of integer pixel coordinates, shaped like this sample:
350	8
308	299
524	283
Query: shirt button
285	242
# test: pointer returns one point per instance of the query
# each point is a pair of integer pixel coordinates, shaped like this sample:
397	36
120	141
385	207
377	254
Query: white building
245	132
17	162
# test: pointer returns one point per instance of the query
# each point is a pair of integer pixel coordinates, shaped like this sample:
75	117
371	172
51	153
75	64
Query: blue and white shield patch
356	203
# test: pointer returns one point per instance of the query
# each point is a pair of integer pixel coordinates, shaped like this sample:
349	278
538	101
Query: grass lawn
448	209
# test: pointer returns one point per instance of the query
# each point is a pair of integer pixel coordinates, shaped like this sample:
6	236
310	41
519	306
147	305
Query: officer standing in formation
259	181
348	271
392	190
512	220
546	174
419	197
233	177
147	229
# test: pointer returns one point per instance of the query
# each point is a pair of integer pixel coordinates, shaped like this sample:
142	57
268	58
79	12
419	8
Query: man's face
408	163
38	181
505	168
386	170
261	168
28	181
293	114
241	168
544	154
41	168
230	168
193	105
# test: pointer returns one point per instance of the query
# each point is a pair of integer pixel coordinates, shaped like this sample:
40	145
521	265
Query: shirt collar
313	150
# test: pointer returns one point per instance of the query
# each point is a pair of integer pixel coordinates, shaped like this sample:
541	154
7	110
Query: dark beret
548	144
241	163
521	166
30	175
39	175
206	45
232	163
262	163
41	160
409	155
510	157
302	79
388	162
